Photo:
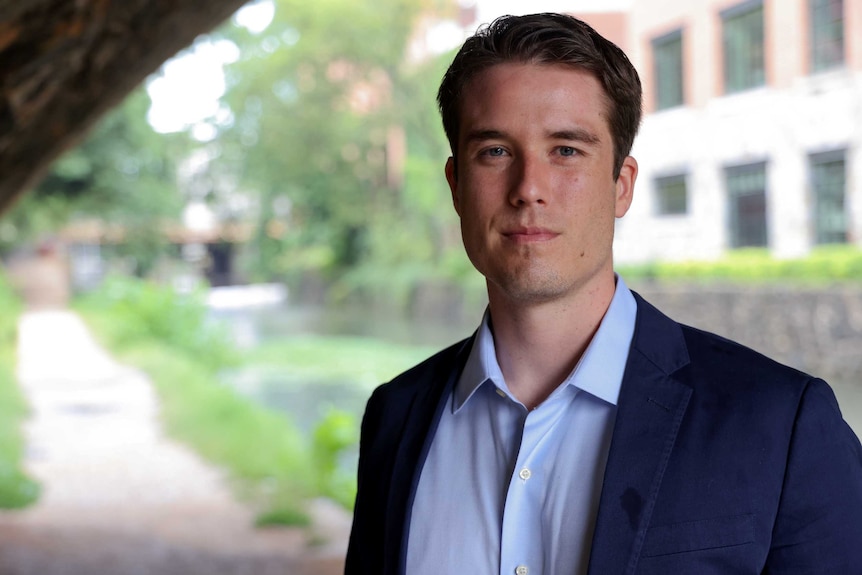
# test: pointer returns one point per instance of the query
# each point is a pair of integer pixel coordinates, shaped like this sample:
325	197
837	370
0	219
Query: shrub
335	434
827	264
141	311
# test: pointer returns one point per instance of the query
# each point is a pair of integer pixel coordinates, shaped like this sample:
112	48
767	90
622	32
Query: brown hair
553	39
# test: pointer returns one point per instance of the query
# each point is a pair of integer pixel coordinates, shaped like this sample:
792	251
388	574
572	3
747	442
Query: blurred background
252	211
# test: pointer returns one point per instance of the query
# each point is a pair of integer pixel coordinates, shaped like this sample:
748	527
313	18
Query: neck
539	344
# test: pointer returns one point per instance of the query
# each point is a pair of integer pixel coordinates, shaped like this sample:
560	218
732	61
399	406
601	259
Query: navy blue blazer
722	462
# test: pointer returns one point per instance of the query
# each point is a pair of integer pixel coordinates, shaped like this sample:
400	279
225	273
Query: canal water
306	398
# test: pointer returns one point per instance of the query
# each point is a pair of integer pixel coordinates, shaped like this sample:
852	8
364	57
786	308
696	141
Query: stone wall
816	330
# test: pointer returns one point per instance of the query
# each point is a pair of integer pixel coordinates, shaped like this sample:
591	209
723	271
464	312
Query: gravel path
119	498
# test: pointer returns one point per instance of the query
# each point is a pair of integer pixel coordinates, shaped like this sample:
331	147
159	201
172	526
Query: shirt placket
521	549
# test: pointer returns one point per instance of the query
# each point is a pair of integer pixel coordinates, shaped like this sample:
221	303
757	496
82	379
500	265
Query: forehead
543	92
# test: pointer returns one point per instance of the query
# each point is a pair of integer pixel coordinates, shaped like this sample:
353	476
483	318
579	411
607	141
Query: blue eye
496	151
567	151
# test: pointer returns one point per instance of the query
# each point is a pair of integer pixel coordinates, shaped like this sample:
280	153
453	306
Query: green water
305	361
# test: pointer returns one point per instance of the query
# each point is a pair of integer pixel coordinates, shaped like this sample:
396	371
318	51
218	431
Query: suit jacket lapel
651	406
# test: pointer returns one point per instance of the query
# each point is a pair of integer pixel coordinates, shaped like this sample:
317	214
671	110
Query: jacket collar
651	406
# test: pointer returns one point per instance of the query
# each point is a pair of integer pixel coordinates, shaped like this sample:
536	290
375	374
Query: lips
526	234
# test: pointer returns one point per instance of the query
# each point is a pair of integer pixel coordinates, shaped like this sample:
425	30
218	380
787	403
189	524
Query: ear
452	179
625	186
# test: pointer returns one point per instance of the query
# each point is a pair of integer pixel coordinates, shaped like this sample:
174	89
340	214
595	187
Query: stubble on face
526	114
527	279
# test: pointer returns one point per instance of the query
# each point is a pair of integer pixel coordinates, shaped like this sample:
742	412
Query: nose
529	185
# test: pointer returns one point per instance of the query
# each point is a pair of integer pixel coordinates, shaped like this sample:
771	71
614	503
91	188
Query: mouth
525	234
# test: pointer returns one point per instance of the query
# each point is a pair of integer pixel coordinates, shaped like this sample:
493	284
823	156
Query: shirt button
521	570
525	475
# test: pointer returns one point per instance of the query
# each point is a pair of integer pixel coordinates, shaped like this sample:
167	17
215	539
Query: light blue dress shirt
507	491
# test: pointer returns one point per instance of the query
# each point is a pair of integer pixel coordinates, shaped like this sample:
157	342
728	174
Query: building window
671	195
827	187
746	189
667	63
827	34
742	31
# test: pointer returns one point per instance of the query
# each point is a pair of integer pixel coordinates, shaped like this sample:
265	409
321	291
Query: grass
274	465
16	489
265	454
166	335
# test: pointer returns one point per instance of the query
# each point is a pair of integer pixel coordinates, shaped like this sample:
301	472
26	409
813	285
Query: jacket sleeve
818	528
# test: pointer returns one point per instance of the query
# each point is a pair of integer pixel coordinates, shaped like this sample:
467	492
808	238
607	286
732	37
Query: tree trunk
64	63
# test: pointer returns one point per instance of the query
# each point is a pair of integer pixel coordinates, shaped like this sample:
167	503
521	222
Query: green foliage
330	146
319	112
823	265
415	239
123	173
274	464
16	489
283	516
337	432
162	333
264	452
141	311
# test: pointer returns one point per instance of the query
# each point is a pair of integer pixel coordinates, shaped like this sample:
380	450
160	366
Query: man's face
534	186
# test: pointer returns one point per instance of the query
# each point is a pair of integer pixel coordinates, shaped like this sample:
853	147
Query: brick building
752	135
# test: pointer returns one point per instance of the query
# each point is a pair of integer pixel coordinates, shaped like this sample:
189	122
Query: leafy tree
123	174
319	106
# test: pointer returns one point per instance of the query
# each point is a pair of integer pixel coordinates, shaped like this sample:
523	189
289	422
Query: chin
531	289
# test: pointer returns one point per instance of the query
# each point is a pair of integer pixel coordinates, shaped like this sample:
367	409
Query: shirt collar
599	372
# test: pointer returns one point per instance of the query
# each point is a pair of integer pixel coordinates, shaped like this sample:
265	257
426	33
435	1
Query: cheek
473	206
472	230
475	225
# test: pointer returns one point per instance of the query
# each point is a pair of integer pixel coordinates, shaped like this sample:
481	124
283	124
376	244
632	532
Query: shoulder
420	386
732	386
768	439
433	371
713	353
702	358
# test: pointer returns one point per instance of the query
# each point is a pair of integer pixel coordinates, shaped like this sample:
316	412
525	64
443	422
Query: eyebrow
482	135
574	135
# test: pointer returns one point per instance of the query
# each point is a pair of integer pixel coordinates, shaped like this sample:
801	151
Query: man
580	430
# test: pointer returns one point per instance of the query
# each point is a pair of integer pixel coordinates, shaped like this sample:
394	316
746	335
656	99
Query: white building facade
752	135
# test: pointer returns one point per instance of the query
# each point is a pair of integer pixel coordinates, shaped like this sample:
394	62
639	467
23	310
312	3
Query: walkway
119	498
